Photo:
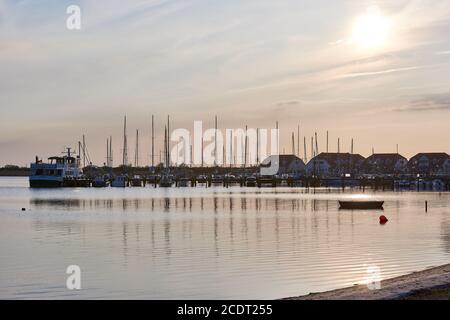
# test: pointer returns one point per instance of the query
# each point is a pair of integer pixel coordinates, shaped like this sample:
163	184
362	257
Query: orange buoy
383	219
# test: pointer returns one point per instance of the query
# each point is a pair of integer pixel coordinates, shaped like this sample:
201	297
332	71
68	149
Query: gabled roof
435	157
384	156
333	158
283	158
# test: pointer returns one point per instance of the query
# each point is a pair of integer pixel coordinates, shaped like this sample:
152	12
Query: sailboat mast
125	146
298	141
110	151
245	147
293	143
215	141
165	147
136	156
338	145
304	150
168	141
153	141
257	146
317	144
231	148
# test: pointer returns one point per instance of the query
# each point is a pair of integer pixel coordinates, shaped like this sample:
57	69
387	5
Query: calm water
199	243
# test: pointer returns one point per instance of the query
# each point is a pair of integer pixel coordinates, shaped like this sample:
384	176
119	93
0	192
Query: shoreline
424	284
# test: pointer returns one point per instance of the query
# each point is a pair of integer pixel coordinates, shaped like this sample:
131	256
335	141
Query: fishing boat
120	181
361	205
62	171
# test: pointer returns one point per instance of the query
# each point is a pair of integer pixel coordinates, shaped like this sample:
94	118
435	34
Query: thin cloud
382	72
427	103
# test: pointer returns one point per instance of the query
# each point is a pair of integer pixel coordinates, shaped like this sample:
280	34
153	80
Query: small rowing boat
361	205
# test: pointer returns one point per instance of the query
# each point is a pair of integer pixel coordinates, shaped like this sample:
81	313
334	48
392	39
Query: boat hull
45	183
361	205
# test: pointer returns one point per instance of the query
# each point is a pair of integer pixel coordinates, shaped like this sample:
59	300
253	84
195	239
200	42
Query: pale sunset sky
377	71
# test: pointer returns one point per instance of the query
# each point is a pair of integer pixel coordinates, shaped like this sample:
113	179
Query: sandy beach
433	283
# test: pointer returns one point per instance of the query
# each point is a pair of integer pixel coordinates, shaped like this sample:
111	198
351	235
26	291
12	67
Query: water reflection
212	244
214	204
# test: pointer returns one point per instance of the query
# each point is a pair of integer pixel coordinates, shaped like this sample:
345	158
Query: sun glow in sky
371	30
370	70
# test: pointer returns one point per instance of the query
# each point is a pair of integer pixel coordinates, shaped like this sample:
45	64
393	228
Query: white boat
120	181
62	171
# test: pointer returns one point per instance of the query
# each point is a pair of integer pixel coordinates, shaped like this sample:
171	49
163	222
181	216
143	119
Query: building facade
385	163
430	164
327	165
287	164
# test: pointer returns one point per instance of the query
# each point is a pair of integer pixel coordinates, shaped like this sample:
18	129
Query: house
430	164
334	164
287	164
384	163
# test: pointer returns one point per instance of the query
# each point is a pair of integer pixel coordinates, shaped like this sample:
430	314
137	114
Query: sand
423	284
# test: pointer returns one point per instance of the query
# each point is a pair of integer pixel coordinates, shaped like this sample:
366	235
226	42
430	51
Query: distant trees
11	167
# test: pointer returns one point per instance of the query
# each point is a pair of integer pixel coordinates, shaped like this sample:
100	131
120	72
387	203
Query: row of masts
165	159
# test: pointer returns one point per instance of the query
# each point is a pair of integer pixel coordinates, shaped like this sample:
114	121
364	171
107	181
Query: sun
371	29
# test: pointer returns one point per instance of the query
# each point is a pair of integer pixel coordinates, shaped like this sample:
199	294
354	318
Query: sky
375	71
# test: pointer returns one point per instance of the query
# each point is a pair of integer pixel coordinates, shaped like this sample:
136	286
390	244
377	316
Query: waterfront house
288	164
328	165
384	163
430	164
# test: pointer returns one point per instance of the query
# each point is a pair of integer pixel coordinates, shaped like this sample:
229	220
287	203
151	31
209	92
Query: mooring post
426	206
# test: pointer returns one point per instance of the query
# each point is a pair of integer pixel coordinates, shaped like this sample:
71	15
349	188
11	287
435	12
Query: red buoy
383	219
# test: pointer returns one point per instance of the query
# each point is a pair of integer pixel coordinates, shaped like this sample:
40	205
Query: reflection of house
334	164
287	164
384	163
430	163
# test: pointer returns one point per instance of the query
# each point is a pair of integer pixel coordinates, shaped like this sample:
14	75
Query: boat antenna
84	151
